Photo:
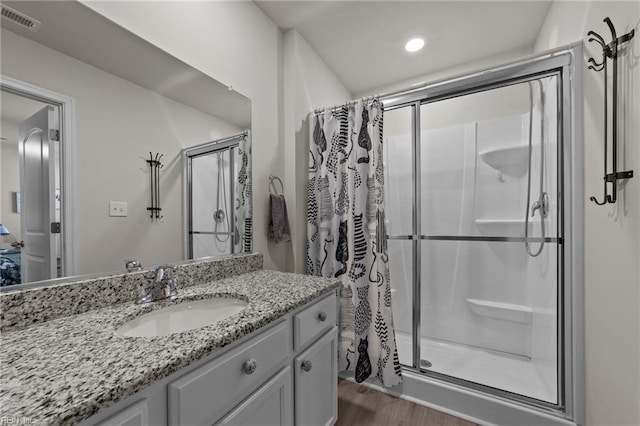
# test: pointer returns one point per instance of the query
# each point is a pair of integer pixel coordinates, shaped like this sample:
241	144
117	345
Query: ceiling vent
20	18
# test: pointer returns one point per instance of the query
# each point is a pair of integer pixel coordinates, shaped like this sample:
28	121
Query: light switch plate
117	208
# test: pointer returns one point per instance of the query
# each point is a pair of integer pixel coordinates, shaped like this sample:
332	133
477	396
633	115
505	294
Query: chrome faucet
164	286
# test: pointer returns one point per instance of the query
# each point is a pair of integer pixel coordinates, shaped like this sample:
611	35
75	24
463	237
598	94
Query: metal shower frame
188	154
566	64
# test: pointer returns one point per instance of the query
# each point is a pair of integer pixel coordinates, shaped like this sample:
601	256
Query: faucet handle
164	285
132	265
173	288
165	271
535	206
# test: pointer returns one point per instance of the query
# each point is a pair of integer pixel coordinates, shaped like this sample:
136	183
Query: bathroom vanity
251	383
274	362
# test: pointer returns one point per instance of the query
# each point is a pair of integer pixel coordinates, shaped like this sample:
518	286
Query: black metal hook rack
154	172
610	51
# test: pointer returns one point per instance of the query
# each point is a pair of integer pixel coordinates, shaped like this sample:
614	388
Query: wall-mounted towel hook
154	172
273	190
610	51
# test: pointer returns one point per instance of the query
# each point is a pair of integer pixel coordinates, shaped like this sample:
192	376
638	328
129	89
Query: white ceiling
77	31
363	41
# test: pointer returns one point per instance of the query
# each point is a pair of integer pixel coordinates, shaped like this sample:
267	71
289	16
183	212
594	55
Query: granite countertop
65	370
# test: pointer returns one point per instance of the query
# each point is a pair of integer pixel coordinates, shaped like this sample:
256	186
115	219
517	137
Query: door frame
67	114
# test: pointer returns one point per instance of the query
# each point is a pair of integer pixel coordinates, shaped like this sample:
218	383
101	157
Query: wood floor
360	405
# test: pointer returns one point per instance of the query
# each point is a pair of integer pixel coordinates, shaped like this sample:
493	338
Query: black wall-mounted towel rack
154	172
610	51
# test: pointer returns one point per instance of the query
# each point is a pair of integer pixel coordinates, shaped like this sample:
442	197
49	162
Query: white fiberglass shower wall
488	310
212	203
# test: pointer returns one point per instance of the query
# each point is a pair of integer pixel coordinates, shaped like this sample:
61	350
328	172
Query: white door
37	193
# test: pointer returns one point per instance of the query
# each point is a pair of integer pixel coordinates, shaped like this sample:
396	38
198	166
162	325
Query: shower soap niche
503	311
511	160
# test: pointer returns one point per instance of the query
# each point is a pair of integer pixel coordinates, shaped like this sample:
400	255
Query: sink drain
425	363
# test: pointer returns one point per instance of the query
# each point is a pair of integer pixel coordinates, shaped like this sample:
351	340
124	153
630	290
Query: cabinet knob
322	316
306	365
249	366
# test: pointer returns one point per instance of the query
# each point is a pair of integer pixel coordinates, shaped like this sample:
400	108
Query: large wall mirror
85	105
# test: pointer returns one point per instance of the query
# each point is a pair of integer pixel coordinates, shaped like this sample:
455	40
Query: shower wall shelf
510	156
502	311
610	52
502	227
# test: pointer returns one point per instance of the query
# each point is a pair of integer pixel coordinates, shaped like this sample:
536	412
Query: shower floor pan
508	372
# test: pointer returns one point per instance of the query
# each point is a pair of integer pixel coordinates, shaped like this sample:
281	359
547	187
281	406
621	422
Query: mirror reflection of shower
221	211
217	197
541	205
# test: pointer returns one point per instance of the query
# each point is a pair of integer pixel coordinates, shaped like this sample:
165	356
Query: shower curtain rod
242	134
421	86
353	102
236	136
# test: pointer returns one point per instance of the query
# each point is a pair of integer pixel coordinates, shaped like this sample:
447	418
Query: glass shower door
485	240
212	203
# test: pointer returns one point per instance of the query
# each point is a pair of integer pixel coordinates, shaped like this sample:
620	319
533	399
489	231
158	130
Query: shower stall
482	224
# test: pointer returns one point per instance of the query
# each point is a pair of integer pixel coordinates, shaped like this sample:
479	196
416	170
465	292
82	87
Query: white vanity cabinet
136	414
316	371
202	396
316	367
284	375
272	404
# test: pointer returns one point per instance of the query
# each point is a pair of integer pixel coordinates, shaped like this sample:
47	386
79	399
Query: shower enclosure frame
188	154
566	66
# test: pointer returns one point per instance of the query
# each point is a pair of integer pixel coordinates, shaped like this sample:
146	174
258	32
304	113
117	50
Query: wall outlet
117	208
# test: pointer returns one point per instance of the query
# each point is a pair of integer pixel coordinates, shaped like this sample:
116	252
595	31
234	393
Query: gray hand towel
278	220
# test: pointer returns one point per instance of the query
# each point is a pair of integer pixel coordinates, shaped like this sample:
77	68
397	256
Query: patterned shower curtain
243	208
345	234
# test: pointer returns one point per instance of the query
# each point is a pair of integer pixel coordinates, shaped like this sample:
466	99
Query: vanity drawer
200	396
314	320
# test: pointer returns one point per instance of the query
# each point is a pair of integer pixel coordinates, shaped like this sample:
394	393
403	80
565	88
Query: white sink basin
182	317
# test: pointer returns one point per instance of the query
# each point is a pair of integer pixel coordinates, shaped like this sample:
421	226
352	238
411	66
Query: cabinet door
134	415
316	389
271	405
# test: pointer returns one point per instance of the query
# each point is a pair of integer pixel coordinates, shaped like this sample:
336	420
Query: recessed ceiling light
414	44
